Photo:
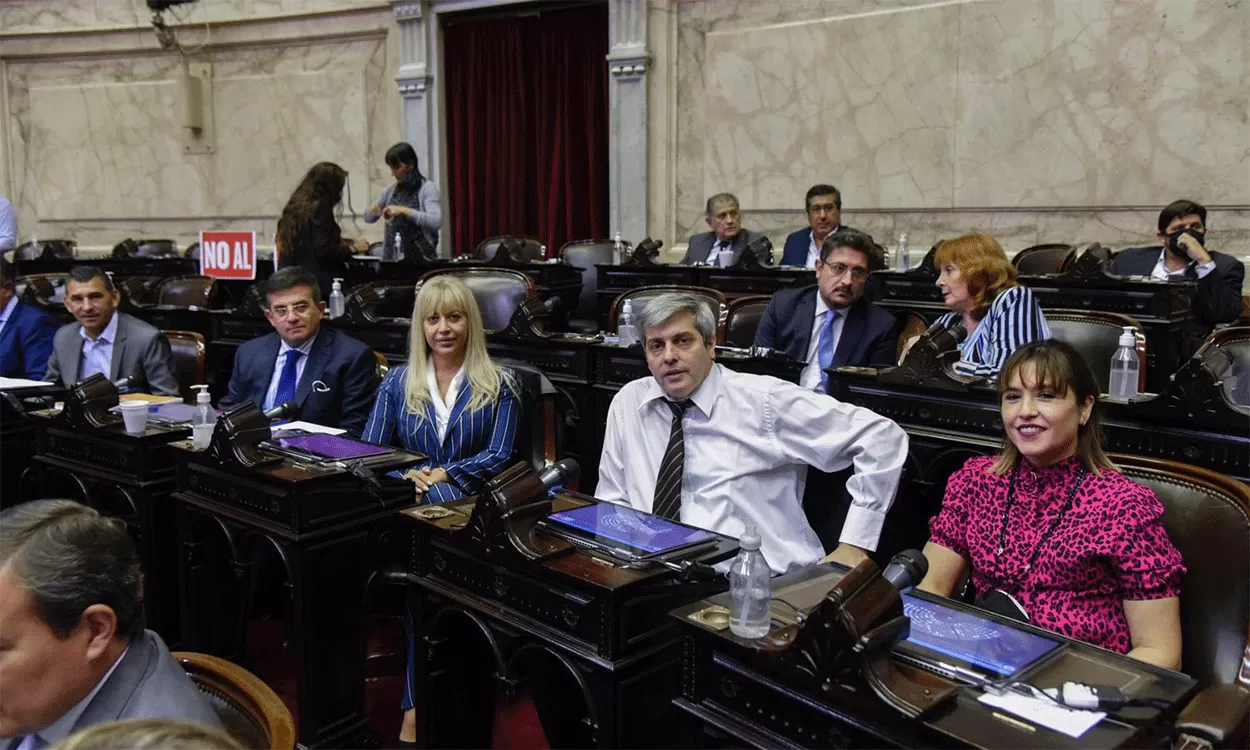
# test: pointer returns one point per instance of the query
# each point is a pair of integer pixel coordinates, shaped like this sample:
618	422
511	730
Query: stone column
414	80
628	59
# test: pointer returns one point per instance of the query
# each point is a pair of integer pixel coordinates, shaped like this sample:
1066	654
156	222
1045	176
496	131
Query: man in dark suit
104	341
1184	255
331	377
830	324
824	217
76	652
725	221
26	332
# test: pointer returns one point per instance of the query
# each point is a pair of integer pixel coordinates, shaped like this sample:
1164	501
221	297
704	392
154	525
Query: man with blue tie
831	324
329	376
107	342
26	332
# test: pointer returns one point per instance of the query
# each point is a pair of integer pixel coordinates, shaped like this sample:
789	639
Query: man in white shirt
718	449
73	648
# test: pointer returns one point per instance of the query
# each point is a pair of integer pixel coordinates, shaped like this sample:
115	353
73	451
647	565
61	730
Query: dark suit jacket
798	243
140	352
701	244
346	367
1216	300
147	684
26	342
868	338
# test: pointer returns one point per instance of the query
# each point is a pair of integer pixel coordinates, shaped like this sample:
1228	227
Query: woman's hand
360	245
424	479
393	210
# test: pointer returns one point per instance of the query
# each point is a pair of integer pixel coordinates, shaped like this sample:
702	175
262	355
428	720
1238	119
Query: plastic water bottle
902	256
618	250
1125	367
750	588
203	420
337	303
627	334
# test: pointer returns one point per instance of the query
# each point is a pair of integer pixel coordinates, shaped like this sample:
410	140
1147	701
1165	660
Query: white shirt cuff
862	527
1205	269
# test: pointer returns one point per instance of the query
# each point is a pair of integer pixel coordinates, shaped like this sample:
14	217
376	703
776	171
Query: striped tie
667	500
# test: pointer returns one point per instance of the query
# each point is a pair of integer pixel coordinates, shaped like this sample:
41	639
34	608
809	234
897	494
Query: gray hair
70	557
661	308
720	198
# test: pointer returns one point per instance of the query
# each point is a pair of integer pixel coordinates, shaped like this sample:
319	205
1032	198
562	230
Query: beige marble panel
34	16
1103	103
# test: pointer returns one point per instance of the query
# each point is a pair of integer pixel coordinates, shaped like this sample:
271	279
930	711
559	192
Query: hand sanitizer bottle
627	335
203	420
1125	367
902	258
618	250
750	588
337	303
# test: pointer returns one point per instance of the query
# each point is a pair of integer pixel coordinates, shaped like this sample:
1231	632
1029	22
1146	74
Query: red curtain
527	120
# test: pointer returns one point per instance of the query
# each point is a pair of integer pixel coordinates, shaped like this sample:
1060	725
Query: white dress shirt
284	351
442	406
8	226
813	250
810	377
64	726
714	254
1161	272
97	355
7	312
749	440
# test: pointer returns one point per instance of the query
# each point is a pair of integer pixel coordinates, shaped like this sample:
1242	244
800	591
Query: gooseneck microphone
126	382
560	474
906	569
283	409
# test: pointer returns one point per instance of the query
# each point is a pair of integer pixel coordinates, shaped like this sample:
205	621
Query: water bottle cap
750	539
628	307
1128	338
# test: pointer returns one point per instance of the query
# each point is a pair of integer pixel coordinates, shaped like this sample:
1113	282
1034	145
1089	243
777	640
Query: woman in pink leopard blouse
1051	531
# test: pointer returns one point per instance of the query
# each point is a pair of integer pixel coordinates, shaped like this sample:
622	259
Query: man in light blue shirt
8	226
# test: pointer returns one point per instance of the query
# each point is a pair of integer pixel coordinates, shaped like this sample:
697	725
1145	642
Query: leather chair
129	249
912	328
46	250
1227	352
639	297
141	291
249	709
192	252
1040	260
531	249
585	254
499	291
1096	335
742	320
185	291
384	366
539	439
1207	517
42	290
189	360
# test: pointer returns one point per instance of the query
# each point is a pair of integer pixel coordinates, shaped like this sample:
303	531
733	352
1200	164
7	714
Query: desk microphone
560	474
906	569
126	382
283	409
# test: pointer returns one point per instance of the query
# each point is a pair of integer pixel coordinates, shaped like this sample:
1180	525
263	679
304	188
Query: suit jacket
140	351
478	444
701	244
147	684
798	243
345	366
868	339
1216	300
26	342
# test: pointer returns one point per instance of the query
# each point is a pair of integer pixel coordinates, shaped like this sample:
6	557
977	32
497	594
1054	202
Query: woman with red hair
979	285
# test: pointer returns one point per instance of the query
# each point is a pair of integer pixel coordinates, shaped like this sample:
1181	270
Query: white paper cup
725	258
135	415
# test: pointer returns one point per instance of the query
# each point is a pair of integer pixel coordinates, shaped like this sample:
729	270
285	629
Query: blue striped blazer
478	445
1013	320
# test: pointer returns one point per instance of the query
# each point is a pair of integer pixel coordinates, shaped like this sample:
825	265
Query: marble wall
92	114
1037	120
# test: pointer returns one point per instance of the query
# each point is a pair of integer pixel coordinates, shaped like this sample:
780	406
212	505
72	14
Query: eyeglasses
821	208
839	269
299	309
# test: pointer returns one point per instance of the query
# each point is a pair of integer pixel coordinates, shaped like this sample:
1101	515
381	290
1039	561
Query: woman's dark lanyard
1015	581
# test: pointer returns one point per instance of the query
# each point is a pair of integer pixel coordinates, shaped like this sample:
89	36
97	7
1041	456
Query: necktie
31	742
824	349
287	381
666	502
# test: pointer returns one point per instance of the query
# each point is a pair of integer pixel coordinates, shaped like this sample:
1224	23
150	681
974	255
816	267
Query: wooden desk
18	438
732	686
126	476
328	533
592	640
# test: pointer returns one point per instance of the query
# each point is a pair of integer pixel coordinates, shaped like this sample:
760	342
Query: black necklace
1016	580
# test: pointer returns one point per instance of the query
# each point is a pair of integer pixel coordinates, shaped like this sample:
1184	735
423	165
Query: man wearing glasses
331	377
830	324
824	217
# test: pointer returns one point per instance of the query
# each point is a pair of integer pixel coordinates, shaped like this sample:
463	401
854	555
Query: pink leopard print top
1111	545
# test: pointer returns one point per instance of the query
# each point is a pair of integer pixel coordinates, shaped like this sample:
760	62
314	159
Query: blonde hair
148	734
448	294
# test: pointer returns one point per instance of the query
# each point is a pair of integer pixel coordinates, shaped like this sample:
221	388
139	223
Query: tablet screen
330	446
944	631
623	525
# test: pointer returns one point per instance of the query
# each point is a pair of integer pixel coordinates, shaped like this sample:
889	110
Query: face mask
1174	239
